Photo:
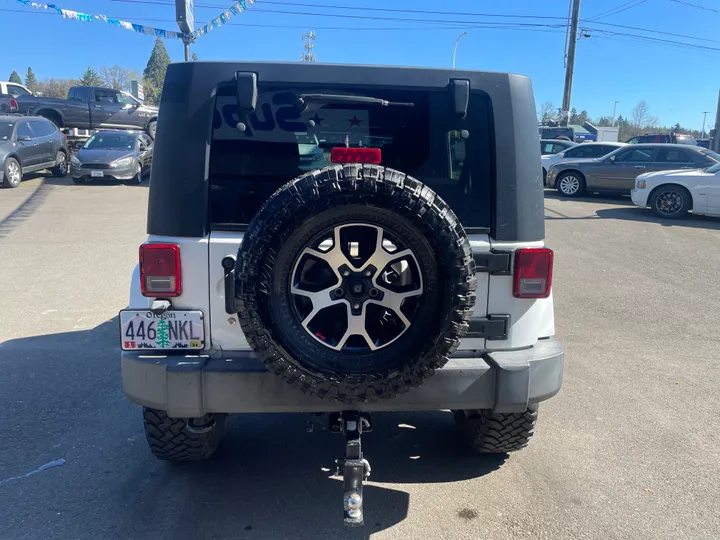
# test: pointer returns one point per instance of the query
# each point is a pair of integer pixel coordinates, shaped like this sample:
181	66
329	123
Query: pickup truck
89	107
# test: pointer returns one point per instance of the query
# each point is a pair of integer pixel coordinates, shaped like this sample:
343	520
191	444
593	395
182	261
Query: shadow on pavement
26	209
270	478
607	198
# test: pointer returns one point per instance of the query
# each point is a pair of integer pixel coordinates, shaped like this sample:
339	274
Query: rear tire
570	184
60	169
151	129
486	432
170	438
671	202
13	173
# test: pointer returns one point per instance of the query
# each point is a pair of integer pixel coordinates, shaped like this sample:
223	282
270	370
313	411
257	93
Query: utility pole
715	145
705	113
308	55
185	17
572	42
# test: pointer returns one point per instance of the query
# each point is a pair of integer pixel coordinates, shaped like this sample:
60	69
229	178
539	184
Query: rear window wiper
304	99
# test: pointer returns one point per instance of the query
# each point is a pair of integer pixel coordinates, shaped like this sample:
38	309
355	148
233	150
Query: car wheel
60	169
487	432
671	202
544	177
13	173
137	179
151	129
571	184
173	439
369	300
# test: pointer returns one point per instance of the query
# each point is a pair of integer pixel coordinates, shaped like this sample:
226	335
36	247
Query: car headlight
640	183
124	162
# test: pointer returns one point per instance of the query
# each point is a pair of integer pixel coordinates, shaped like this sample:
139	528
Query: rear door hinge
497	263
492	327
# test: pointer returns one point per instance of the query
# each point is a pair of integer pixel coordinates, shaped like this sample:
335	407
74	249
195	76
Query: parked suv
666	138
406	275
29	144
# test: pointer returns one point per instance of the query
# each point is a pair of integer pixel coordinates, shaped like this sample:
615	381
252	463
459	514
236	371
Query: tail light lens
160	270
355	155
13	104
533	273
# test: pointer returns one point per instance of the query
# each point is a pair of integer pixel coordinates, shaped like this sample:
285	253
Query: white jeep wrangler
397	265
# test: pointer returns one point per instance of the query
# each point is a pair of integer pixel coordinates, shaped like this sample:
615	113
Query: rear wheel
487	432
571	184
671	202
180	439
151	129
13	173
60	169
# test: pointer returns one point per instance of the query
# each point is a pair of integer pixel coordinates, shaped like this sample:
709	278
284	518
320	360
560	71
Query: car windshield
6	129
110	141
712	155
715	168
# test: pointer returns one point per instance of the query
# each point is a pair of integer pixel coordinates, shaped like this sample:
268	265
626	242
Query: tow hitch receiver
355	469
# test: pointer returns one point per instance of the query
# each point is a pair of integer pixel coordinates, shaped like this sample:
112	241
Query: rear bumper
191	386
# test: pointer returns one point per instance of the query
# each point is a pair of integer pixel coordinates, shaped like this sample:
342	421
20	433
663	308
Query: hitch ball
353	505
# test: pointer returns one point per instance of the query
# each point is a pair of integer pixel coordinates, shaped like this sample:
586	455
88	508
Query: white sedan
585	151
670	194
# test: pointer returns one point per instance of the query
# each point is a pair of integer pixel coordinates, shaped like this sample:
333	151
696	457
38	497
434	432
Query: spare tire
355	283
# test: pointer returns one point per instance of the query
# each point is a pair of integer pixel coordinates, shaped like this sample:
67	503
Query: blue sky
678	82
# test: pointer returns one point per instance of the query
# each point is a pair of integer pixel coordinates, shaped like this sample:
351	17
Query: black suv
342	239
663	138
29	144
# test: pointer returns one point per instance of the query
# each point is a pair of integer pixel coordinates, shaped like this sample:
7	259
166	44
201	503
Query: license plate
176	330
96	174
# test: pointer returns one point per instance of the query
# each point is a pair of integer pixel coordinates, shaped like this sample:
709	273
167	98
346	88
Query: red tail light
355	155
160	270
13	104
533	273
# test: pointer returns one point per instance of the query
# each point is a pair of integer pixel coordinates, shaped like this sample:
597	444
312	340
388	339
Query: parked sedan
617	171
115	155
581	151
29	144
553	146
671	194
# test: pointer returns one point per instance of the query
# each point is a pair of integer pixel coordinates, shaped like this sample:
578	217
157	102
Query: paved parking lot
628	450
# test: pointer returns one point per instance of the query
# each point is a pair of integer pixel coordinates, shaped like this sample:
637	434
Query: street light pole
614	110
455	49
705	113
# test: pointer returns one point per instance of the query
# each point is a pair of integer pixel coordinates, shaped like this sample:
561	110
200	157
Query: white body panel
703	187
530	319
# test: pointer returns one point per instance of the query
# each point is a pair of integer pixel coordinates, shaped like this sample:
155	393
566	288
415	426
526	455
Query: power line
696	6
617	9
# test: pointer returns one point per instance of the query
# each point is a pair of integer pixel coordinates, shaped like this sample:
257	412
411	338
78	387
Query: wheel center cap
357	288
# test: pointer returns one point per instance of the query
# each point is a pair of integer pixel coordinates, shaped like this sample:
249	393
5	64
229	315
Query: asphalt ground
628	450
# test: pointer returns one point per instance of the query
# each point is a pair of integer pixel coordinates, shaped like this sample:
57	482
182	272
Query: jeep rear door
451	155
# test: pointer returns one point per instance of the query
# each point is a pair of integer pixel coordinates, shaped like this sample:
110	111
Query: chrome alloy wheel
13	173
569	185
356	288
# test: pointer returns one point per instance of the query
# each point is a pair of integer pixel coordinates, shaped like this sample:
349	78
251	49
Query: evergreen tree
195	57
15	78
157	64
90	78
30	80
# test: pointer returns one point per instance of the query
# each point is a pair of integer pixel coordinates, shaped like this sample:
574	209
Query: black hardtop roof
178	204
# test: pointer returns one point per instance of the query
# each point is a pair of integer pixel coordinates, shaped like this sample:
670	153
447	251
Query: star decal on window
354	121
318	121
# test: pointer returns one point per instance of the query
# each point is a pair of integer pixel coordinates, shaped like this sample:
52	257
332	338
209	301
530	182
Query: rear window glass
280	142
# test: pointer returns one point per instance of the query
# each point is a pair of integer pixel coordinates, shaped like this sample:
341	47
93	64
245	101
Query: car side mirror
611	159
23	138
